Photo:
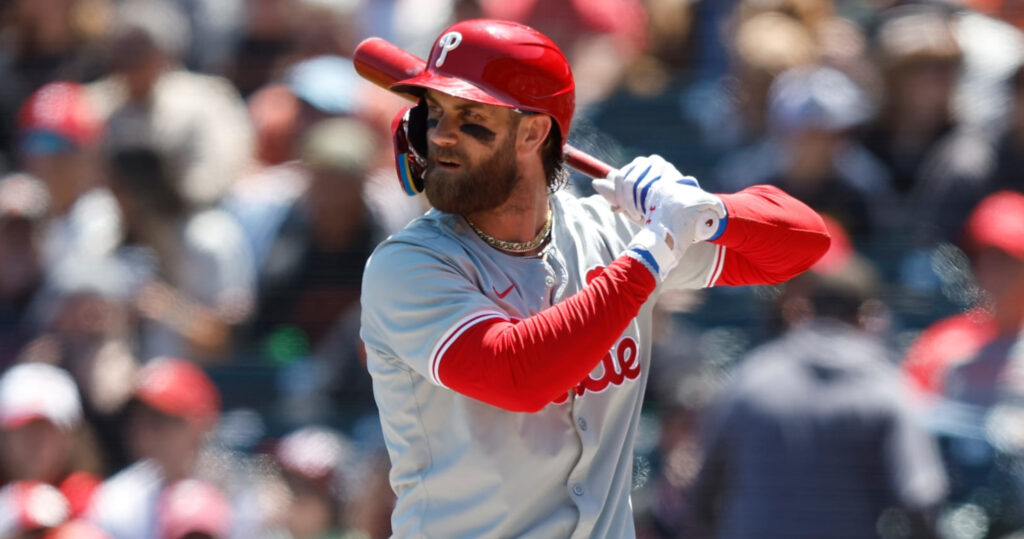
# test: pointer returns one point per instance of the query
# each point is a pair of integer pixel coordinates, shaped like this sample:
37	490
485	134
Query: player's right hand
651	190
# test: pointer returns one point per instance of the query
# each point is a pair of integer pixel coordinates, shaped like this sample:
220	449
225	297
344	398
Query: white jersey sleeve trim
716	269
451	335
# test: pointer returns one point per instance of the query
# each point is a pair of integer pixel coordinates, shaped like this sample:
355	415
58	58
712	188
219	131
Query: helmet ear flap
417	128
409	129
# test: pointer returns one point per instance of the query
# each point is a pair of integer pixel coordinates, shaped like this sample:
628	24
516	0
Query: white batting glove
651	190
652	247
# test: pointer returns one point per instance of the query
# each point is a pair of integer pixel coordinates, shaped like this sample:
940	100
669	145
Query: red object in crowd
179	388
998	221
193	506
61	108
945	344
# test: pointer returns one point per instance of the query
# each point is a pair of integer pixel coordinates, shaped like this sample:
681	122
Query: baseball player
508	329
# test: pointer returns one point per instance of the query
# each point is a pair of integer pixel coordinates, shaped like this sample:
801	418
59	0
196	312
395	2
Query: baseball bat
384	63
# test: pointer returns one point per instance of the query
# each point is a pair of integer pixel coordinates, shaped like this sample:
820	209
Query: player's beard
473	189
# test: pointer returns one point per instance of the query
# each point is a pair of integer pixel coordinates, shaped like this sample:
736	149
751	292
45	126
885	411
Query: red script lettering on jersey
621	363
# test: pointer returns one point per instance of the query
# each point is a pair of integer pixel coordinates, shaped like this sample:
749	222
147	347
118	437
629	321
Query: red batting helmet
499	63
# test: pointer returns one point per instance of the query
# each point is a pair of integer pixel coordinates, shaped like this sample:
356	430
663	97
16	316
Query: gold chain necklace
516	247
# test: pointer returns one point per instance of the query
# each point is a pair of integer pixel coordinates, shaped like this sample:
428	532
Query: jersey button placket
577	489
582	424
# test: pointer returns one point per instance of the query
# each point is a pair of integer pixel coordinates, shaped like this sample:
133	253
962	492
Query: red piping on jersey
771	237
522	366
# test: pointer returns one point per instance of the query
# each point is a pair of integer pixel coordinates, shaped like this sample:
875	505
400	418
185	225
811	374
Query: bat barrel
585	163
383	64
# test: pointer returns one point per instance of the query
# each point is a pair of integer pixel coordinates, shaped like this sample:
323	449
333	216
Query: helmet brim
453	86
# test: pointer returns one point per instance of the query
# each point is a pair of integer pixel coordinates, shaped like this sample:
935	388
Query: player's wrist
653	247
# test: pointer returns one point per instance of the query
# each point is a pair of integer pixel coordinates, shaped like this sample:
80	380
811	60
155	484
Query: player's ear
533	131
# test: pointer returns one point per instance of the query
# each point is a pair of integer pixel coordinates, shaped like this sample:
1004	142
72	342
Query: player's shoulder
430	238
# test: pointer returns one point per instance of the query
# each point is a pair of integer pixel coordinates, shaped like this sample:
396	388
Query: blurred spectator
174	410
312	271
764	46
932	164
815	435
85	324
59	133
992	51
193	509
600	38
78	528
193	268
982	337
197	123
969	367
1009	163
28	508
1011	11
311	274
23	206
810	152
277	34
42	435
685	383
313	90
44	42
317	466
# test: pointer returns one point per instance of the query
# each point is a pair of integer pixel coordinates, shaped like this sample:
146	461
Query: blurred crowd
190	190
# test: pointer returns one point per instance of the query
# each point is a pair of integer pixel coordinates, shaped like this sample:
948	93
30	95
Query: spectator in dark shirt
815	436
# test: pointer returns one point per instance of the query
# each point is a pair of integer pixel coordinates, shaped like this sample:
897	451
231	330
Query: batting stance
508	329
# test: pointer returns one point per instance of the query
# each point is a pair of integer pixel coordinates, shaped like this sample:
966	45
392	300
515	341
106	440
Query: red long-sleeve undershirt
524	365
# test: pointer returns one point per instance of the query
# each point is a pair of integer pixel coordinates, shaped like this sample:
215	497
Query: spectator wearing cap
174	409
815	435
44	42
970	369
30	508
59	131
23	207
811	151
193	509
983	337
42	435
196	122
933	164
316	89
317	466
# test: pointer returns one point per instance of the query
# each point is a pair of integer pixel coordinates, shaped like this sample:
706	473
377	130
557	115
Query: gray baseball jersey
463	468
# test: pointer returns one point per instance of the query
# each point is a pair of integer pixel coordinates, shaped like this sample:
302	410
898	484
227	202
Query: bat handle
586	163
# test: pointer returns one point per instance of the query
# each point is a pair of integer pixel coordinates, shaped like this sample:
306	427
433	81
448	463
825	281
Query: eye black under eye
478	132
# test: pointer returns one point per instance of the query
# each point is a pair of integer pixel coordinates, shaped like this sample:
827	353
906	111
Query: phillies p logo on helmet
447	42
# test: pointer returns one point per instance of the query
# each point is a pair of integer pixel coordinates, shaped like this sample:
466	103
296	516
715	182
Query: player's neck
522	216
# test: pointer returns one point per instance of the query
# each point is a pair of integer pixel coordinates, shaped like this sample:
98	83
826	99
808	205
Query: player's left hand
651	188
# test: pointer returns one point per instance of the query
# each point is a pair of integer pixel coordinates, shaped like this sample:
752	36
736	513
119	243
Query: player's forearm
771	237
523	366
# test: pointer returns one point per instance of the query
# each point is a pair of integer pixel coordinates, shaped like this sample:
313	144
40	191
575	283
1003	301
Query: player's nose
443	132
